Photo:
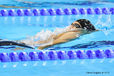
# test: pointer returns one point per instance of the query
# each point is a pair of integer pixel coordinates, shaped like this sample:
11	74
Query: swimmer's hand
43	47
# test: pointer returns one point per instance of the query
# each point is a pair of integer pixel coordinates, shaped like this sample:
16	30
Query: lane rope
59	11
56	55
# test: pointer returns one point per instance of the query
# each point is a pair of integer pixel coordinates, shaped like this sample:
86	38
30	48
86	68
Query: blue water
55	3
17	28
58	68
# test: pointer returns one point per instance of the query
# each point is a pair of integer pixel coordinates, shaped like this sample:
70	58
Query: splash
43	36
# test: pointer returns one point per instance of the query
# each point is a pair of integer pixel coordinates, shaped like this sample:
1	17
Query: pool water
17	28
54	4
23	27
59	68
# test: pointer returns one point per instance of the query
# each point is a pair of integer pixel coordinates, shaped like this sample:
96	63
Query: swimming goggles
76	25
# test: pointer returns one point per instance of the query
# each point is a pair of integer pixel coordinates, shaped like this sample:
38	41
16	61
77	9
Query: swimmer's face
82	25
75	26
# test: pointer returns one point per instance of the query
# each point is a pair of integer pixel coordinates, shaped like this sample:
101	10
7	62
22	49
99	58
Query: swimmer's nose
97	30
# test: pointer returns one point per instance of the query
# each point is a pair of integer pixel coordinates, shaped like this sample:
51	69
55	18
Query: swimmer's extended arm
51	37
62	38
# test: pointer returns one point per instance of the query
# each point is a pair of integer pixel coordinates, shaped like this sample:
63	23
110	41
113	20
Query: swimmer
76	29
71	32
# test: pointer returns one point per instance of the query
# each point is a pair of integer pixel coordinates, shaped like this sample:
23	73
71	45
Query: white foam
43	35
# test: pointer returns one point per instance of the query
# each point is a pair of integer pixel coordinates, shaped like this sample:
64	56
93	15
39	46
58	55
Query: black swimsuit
9	43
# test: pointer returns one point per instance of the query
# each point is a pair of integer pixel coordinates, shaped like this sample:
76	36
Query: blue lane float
56	55
4	57
59	11
14	57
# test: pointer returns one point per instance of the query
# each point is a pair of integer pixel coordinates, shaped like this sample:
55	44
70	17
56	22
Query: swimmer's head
84	24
